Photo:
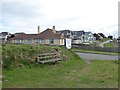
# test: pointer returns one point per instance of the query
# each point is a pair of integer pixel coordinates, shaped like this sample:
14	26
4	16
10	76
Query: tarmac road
89	56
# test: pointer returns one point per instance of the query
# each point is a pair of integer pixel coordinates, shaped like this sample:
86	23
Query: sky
97	16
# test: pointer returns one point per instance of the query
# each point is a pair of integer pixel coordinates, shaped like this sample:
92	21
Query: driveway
102	44
89	56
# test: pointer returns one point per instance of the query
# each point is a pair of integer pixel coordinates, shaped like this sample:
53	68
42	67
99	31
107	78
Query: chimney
54	29
38	29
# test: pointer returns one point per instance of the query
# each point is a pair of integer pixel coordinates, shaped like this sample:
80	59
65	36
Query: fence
97	48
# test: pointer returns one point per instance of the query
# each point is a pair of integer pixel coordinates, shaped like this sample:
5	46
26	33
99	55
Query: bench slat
48	57
51	60
47	54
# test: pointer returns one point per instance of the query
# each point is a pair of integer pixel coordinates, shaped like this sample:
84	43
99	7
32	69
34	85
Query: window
22	41
29	41
91	39
17	41
36	40
42	40
62	41
39	40
51	41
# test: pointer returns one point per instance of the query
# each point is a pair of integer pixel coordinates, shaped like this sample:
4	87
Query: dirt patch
88	62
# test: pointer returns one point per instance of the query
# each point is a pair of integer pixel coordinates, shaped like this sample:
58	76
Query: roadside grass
111	44
95	43
95	52
66	74
103	40
100	41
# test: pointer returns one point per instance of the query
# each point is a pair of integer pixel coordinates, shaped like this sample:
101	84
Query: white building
83	37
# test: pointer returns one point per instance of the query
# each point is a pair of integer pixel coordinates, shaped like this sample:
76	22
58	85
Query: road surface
89	56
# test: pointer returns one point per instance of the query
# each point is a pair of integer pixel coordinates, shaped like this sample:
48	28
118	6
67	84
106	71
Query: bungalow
48	37
18	33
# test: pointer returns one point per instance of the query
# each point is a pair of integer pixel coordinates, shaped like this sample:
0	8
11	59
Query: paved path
102	44
89	56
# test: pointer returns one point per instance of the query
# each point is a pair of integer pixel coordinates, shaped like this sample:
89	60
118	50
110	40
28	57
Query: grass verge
111	44
95	52
67	74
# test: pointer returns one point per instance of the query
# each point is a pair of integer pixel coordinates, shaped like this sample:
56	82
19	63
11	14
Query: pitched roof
47	34
25	36
64	31
79	33
4	33
87	33
101	34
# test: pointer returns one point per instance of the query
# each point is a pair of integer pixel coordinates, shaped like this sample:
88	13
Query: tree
110	37
101	34
97	36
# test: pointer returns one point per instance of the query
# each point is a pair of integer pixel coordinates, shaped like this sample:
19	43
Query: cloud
19	9
88	15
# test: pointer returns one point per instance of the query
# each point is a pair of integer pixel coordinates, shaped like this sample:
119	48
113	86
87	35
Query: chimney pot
38	29
54	29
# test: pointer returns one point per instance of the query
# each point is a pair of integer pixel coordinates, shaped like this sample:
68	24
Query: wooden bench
48	57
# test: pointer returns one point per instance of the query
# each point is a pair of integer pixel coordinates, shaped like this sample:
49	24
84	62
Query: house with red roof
48	37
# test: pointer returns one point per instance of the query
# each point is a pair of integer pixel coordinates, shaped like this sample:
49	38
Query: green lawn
70	73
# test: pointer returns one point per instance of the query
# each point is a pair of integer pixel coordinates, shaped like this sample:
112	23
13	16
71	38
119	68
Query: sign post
68	43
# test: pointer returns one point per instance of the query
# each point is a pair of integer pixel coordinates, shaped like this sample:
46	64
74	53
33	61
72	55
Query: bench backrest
48	56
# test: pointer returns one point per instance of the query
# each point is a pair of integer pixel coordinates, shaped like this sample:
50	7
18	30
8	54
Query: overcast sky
88	15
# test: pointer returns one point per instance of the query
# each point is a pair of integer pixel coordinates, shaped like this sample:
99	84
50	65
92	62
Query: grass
0	78
66	74
99	41
103	40
95	52
15	55
72	72
111	44
95	43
